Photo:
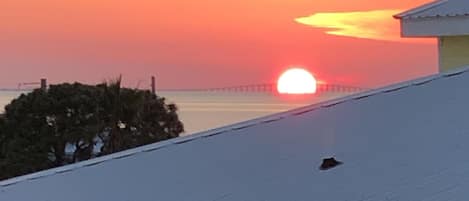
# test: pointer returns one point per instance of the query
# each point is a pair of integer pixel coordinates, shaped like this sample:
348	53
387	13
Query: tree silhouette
75	122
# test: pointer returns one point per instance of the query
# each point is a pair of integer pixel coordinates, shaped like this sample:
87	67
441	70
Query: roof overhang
434	26
437	18
415	11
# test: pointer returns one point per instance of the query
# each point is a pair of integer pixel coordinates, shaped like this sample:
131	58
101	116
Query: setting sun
296	81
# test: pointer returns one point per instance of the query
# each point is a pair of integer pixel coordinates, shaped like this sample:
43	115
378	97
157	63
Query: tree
75	122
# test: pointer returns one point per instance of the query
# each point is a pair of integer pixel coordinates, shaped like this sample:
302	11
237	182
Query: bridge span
271	88
257	88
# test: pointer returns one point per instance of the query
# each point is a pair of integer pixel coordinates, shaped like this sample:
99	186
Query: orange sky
202	43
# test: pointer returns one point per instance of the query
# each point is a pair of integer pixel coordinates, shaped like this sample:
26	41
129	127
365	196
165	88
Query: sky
208	43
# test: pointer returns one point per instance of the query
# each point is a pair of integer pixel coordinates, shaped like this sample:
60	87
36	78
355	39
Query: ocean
200	111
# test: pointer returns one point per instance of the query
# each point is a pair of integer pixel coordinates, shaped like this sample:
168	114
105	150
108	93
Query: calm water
201	111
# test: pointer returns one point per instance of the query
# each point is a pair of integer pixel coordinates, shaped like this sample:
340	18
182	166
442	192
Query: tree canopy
69	123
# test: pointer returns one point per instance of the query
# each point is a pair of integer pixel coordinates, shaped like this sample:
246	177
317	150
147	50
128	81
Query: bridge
42	83
250	88
271	88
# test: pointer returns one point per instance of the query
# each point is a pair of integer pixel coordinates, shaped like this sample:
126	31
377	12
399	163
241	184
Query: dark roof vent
329	163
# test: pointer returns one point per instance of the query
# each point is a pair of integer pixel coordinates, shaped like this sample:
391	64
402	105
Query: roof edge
419	9
234	127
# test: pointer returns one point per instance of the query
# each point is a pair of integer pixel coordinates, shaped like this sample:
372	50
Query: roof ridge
420	9
232	127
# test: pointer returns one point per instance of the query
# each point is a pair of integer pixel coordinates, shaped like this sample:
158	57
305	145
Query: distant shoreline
16	90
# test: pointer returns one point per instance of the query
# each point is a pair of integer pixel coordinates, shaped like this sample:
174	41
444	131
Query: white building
448	20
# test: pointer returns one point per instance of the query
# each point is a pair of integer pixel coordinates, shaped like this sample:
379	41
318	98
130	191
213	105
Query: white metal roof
440	8
405	142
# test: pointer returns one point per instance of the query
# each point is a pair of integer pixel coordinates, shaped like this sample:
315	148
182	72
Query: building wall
454	52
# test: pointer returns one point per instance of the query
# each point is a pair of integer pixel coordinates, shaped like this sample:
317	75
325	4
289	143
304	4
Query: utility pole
44	84
153	84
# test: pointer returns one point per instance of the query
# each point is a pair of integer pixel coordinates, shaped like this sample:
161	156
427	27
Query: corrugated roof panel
441	8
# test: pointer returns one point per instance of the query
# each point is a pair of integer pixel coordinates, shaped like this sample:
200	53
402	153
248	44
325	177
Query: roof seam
234	127
436	16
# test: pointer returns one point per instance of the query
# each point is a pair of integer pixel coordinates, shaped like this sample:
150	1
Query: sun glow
296	81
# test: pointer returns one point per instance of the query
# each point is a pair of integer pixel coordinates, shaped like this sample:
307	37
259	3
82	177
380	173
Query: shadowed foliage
75	122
